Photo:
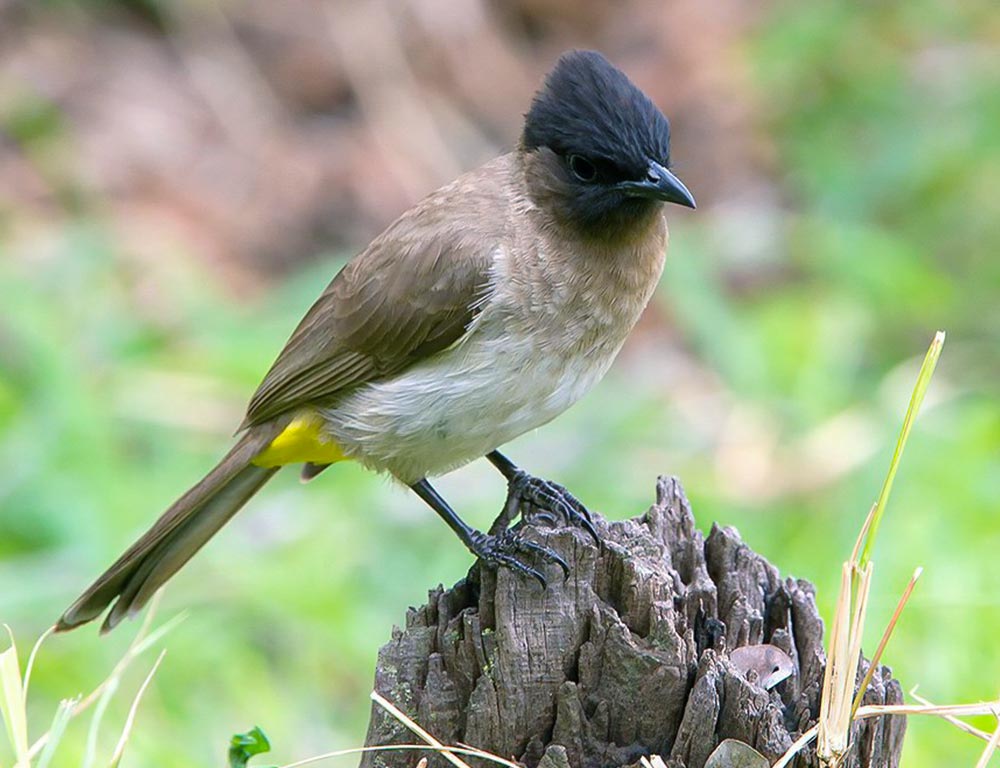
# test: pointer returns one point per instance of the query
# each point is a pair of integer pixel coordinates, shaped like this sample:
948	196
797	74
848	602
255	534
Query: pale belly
526	359
464	403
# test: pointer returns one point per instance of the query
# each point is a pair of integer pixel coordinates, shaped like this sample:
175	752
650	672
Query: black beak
660	184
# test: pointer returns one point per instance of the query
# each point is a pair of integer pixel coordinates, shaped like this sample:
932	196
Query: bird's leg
538	498
494	550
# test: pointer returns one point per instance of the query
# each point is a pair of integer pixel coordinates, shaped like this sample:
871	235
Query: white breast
540	343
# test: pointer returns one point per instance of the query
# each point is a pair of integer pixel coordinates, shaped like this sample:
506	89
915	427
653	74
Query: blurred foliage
775	392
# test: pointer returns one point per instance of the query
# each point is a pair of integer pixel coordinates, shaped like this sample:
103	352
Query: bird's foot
502	550
539	499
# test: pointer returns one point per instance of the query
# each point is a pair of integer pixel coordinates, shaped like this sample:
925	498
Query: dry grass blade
845	654
391	708
863	534
108	691
948	712
468	751
797	746
830	728
991	747
62	717
127	728
858	626
12	702
885	639
31	659
960	724
143	640
943	710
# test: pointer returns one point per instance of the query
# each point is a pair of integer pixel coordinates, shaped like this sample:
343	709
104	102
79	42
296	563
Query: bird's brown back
411	293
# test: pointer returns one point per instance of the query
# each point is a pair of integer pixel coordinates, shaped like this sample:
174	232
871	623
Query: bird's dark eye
582	168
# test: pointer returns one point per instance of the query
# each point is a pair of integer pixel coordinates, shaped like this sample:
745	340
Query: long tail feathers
179	533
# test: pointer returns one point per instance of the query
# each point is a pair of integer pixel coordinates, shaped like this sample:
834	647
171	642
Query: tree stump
628	657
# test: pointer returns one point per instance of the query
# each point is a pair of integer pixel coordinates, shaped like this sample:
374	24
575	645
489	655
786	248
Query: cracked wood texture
628	657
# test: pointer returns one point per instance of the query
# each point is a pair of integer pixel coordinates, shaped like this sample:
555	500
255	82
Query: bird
483	312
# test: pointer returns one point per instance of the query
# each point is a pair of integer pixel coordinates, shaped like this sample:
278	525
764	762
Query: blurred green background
178	181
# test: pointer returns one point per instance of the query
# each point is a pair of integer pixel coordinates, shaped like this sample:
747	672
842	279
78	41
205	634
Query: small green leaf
243	746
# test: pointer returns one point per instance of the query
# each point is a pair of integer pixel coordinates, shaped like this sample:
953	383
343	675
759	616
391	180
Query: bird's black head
604	145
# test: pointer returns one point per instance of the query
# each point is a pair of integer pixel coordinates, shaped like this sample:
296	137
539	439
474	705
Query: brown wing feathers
411	294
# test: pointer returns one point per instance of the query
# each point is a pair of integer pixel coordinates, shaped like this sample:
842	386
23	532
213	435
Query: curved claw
502	550
588	526
516	565
576	512
546	554
552	498
546	517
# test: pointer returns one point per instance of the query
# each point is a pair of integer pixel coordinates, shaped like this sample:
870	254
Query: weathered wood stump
628	657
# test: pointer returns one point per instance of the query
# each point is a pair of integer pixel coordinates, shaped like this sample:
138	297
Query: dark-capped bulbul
482	312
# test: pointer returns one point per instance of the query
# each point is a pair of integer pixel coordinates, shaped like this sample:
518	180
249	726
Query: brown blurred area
253	135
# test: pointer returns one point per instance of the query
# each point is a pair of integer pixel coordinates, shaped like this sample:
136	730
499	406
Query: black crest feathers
587	106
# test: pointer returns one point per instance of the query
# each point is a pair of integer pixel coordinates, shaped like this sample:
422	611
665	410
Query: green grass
288	606
777	405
